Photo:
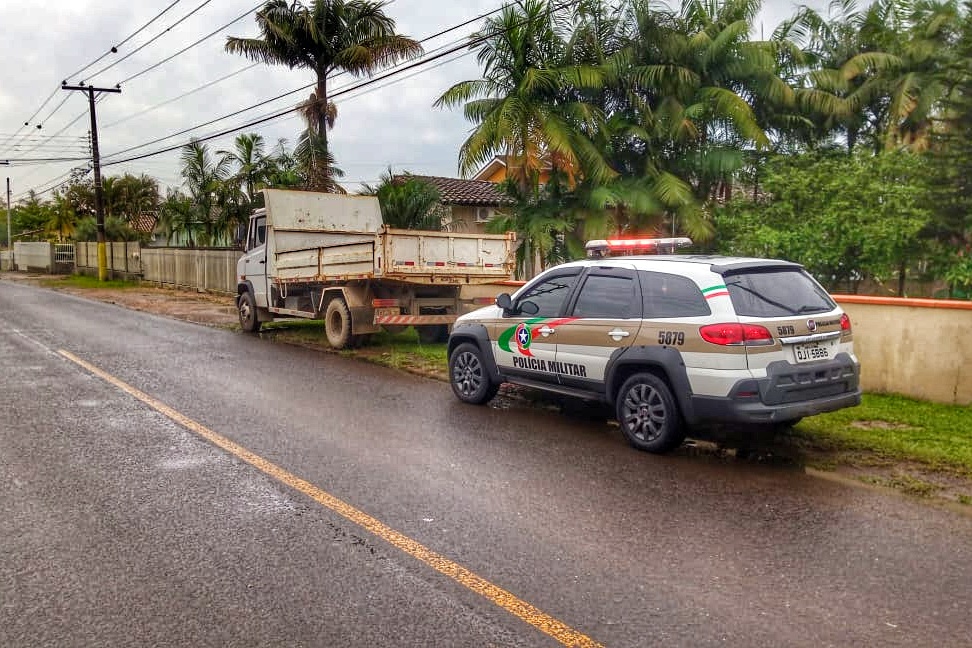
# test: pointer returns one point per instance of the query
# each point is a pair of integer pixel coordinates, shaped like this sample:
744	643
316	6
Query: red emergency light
625	247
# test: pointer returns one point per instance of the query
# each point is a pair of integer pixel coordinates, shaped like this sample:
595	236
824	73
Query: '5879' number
671	338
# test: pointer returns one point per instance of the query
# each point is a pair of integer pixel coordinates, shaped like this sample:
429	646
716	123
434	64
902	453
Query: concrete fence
33	257
191	269
122	257
915	347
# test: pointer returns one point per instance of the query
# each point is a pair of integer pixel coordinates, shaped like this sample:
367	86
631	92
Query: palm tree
874	71
682	112
325	36
407	202
250	161
63	218
521	107
204	178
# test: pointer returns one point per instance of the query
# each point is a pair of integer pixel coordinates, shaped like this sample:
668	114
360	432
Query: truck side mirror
504	301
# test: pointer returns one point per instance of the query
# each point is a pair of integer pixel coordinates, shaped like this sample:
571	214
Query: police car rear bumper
788	392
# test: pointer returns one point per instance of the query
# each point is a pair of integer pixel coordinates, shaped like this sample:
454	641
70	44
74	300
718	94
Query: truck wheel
337	323
469	377
249	320
648	415
433	333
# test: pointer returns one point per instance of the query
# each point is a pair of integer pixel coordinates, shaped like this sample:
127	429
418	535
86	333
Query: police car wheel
469	377
648	415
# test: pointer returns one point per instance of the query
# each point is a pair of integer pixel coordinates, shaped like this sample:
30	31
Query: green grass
401	350
84	281
898	428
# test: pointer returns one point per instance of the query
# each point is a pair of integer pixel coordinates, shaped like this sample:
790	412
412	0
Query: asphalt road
122	526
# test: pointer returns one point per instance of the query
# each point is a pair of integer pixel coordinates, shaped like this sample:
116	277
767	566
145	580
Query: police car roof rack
600	249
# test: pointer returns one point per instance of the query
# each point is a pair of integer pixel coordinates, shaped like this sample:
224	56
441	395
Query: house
144	224
467	204
498	169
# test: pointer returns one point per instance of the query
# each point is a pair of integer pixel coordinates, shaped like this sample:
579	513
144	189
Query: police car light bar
622	247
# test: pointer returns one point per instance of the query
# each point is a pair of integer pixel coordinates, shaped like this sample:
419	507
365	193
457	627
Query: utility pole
10	254
96	158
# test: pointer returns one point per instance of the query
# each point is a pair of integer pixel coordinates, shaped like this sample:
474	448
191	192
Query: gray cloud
394	125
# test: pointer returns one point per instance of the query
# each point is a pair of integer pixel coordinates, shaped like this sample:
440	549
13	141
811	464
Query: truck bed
412	256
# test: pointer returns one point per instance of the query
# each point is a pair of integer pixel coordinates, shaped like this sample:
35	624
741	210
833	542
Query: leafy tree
326	37
846	218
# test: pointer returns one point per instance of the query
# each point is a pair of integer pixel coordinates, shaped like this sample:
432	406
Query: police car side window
605	297
550	294
668	295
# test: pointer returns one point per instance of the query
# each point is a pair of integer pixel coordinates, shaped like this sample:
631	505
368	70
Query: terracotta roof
456	191
144	223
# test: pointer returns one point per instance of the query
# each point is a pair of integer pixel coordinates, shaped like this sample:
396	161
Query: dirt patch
880	425
199	308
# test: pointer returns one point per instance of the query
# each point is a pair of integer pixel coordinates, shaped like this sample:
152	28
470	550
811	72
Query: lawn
898	428
84	281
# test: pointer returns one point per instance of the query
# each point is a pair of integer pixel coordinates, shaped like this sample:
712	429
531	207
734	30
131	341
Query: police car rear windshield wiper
812	309
763	298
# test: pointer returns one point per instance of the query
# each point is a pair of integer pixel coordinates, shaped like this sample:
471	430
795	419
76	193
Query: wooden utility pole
96	159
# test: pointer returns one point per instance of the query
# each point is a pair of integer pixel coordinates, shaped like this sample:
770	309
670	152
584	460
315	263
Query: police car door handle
617	334
546	330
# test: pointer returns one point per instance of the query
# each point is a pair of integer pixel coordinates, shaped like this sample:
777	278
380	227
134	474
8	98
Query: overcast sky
394	124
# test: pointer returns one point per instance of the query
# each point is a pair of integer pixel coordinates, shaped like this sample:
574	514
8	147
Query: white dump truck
329	256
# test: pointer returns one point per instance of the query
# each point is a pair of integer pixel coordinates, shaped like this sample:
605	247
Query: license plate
812	351
387	312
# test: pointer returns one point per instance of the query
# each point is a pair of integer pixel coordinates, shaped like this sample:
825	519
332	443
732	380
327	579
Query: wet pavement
122	527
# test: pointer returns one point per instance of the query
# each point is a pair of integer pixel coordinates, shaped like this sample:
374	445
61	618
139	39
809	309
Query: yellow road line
504	599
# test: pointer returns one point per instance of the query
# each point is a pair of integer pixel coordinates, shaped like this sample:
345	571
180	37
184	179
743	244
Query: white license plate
813	351
387	312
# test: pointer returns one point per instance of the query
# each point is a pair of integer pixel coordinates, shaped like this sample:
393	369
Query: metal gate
64	257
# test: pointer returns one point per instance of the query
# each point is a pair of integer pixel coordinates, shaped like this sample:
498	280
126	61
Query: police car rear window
668	295
777	293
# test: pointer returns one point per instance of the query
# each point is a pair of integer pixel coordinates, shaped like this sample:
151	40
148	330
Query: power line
110	51
308	86
189	47
182	96
469	43
150	41
115	48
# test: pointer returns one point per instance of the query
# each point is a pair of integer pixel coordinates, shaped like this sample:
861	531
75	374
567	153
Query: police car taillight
734	334
624	247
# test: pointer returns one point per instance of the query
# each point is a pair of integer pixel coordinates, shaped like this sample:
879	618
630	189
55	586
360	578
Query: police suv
669	341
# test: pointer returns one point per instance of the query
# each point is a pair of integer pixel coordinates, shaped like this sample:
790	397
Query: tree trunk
902	274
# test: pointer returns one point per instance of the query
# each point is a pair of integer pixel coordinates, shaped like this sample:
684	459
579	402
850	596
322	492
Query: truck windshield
777	293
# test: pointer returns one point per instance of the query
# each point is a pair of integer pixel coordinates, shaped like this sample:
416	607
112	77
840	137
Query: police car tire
469	376
650	393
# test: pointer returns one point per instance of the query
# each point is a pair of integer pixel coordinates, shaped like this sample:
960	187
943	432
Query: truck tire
249	320
337	323
469	377
648	415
